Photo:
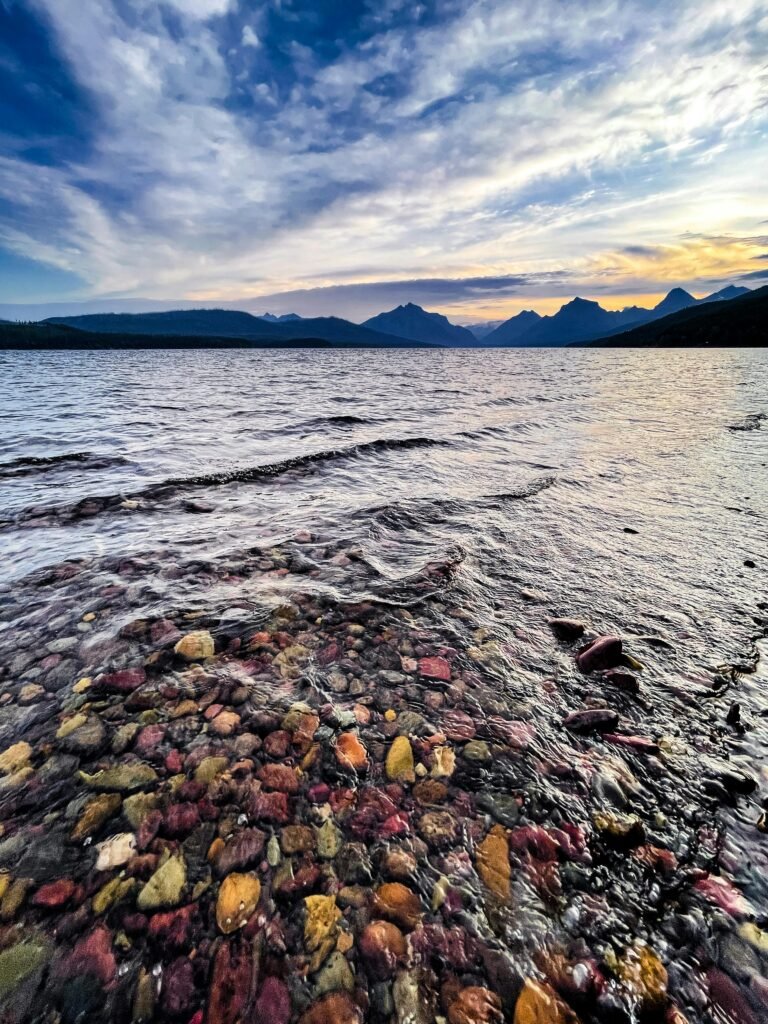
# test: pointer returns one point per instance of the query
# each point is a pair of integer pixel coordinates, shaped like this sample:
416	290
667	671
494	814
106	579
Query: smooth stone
398	903
383	948
335	976
116	851
122	778
475	1005
350	752
603	652
492	860
399	763
566	630
196	646
95	814
238	898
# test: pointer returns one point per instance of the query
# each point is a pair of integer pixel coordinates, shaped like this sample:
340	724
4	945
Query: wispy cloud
230	149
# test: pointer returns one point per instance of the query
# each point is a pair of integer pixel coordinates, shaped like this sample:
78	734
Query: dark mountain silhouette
417	324
731	292
229	323
676	300
728	323
513	330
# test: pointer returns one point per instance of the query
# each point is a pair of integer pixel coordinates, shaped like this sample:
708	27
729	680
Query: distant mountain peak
417	324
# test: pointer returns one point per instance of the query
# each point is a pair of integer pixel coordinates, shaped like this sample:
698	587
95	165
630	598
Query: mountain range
577	322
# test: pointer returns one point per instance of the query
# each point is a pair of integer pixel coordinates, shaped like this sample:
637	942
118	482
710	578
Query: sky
477	157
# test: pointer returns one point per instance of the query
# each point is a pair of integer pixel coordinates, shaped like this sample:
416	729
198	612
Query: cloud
438	141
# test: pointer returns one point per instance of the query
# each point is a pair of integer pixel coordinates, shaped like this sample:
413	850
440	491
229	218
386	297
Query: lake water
385	537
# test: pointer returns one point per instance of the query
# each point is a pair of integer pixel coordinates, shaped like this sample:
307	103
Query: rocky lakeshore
272	805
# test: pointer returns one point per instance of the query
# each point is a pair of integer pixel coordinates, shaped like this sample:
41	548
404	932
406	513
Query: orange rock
238	897
383	947
350	752
540	1004
475	1005
493	862
336	1008
398	903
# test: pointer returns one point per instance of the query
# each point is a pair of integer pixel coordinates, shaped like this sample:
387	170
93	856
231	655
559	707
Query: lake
377	744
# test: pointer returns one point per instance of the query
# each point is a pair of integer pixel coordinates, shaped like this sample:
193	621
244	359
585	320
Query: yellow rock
112	893
5	881
493	862
15	757
70	724
444	763
754	936
642	971
320	929
238	898
539	1004
390	715
164	888
196	646
82	684
400	761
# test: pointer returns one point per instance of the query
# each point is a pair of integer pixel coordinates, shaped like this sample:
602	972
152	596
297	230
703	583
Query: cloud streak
231	150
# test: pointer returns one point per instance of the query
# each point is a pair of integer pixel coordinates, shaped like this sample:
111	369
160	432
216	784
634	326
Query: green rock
122	778
477	750
138	806
209	768
19	961
124	737
335	976
328	840
165	887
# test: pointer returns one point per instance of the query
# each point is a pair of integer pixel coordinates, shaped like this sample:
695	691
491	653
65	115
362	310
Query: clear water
469	497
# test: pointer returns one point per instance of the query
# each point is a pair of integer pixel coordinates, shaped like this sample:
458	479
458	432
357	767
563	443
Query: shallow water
400	506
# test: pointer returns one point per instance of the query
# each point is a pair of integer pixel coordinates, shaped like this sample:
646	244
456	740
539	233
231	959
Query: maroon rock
279	777
534	841
603	652
566	630
319	793
327	654
273	1005
148	829
177	993
592	720
458	726
164	632
435	668
305	879
454	946
125	681
180	819
622	680
518	735
271	807
174	762
242	850
728	1001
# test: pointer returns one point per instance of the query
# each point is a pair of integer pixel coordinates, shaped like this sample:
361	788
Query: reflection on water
299	715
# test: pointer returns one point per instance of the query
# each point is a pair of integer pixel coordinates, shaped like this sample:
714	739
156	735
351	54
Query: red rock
211	711
125	681
435	668
271	807
722	892
148	740
273	1005
622	680
638	743
395	825
174	762
383	949
332	652
533	840
92	955
304	879
602	653
54	894
230	984
277	744
729	1003
457	725
336	1008
174	928
350	752
180	819
177	993
279	777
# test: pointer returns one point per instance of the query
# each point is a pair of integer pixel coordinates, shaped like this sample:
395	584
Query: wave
26	465
135	501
